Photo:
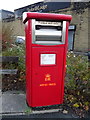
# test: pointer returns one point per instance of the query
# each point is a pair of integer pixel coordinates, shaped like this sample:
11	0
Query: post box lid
45	16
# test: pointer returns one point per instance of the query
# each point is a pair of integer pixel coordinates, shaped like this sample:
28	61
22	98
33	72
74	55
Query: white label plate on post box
47	59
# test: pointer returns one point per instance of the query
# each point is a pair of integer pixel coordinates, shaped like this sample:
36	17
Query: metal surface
47	16
45	79
8	71
48	33
48	23
64	32
33	30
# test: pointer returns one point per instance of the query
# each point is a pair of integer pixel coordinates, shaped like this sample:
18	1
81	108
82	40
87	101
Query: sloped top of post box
45	16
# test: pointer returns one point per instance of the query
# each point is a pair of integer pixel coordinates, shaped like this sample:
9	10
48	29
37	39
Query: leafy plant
20	52
77	85
77	71
28	110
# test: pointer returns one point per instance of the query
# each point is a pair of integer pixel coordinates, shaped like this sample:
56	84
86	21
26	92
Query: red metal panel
39	45
47	16
45	83
28	32
47	92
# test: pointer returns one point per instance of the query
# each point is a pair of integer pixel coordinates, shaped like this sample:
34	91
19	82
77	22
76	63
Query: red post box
46	47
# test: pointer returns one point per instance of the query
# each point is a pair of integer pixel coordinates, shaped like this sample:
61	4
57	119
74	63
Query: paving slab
13	102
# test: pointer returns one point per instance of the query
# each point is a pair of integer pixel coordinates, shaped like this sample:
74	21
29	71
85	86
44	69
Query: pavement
14	106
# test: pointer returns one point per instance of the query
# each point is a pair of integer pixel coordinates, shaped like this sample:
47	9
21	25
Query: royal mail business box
46	48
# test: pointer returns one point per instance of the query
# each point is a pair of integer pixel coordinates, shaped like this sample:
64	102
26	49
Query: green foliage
77	71
77	85
28	110
17	51
20	52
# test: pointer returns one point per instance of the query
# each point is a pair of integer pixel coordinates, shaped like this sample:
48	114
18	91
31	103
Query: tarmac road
45	115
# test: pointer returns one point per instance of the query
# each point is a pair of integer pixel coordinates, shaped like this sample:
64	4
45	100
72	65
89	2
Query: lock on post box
46	48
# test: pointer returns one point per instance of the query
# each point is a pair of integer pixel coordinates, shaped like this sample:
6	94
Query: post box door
47	66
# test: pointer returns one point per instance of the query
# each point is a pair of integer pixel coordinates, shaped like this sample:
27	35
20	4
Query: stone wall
81	33
80	19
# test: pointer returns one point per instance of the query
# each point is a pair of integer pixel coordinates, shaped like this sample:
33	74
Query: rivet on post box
46	48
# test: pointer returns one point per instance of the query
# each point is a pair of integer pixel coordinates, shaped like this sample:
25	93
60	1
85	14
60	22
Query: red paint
47	16
42	90
48	95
